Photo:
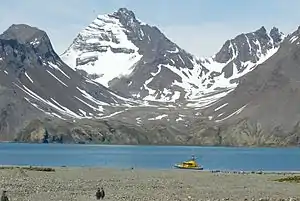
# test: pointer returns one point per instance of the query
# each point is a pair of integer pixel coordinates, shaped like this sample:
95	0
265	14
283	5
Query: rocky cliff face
35	83
139	54
241	55
264	106
148	66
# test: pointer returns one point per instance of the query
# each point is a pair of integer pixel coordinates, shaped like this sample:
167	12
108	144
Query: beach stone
264	199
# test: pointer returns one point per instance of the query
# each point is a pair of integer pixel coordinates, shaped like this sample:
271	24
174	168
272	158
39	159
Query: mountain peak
124	14
276	35
261	30
31	39
23	33
274	29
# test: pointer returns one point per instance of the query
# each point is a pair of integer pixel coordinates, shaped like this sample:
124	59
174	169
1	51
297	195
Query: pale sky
199	26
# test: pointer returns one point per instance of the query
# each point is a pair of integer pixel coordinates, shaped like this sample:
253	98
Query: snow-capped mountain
43	98
35	82
103	50
241	55
137	60
264	107
266	89
133	58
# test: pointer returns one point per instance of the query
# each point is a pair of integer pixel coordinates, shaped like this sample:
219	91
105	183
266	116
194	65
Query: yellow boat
190	165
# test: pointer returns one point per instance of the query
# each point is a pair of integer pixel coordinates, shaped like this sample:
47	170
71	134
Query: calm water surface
150	157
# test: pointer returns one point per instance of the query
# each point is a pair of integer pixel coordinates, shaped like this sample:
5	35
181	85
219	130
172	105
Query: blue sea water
150	157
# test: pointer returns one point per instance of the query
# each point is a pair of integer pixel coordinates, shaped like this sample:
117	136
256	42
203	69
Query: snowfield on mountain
147	65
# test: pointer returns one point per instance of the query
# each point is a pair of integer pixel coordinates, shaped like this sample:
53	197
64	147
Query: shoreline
34	167
160	145
80	184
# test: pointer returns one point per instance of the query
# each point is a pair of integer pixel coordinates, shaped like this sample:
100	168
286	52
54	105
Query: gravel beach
142	185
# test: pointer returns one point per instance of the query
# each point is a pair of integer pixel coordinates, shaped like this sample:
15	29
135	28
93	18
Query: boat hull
188	168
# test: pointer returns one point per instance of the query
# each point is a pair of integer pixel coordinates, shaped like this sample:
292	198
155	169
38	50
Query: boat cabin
190	164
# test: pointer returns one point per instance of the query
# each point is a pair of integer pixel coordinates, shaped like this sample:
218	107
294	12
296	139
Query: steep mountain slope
240	55
137	60
264	107
35	83
118	44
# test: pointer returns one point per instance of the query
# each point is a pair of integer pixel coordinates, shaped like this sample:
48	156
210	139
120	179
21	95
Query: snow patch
28	77
173	51
232	114
102	62
138	120
220	107
90	98
52	65
57	106
100	108
90	81
208	100
113	114
248	42
48	113
220	114
179	119
158	117
35	42
293	39
57	78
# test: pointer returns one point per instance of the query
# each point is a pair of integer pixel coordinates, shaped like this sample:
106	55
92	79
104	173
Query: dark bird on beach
100	193
4	196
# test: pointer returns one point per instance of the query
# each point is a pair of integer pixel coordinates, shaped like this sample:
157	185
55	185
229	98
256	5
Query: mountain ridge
150	61
263	109
161	100
33	77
